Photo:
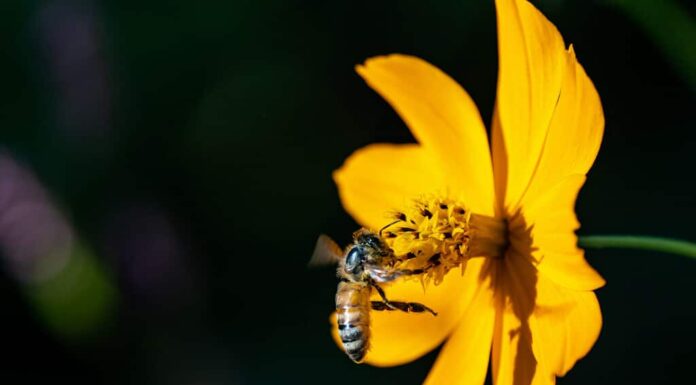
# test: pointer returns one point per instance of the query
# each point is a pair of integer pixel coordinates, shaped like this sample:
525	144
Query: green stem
674	246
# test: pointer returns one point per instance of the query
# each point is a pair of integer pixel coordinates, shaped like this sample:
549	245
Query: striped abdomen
353	316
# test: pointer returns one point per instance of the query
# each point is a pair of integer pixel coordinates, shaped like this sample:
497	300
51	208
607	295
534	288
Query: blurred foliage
670	27
78	302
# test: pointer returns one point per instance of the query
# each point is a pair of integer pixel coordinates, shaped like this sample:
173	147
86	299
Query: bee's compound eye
354	260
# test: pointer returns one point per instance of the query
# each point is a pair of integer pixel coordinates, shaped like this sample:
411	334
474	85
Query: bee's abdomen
352	312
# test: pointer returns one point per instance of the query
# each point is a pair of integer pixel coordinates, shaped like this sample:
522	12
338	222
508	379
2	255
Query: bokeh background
165	168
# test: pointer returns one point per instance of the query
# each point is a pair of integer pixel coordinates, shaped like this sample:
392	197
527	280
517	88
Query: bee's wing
326	252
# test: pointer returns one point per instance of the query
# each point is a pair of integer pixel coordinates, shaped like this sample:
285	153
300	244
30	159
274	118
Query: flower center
437	235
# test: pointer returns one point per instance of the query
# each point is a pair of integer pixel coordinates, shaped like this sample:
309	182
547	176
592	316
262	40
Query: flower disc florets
440	234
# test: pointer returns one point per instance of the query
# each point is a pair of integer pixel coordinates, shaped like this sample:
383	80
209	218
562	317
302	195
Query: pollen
437	235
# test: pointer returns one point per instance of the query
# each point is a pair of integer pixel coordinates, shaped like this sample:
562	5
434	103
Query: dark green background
225	120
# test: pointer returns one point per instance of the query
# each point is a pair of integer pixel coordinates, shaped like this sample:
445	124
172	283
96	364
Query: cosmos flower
530	310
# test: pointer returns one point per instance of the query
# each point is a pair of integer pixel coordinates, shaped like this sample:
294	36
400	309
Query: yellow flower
532	310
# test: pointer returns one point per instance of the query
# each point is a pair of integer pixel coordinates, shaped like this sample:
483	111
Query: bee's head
368	247
354	260
369	240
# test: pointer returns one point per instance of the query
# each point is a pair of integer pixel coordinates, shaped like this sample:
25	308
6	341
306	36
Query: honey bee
364	264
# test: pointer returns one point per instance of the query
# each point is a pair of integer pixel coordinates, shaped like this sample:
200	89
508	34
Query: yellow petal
574	134
464	358
552	219
513	360
541	329
443	118
384	177
531	66
565	325
544	144
398	337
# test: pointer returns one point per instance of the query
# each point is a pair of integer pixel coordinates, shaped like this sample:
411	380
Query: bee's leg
381	293
402	273
434	261
379	306
408	307
405	272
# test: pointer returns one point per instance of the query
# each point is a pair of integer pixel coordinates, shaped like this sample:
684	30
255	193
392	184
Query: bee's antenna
385	227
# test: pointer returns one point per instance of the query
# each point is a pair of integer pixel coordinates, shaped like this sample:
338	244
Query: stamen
443	235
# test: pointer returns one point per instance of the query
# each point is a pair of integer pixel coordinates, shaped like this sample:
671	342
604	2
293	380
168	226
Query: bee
364	264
